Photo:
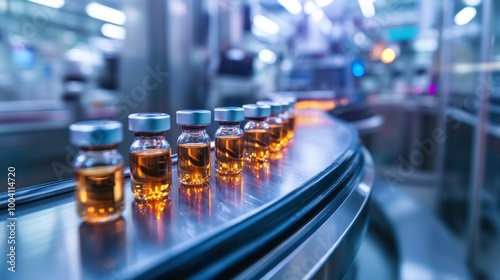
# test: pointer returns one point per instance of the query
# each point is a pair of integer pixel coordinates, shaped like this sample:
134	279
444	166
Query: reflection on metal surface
230	193
276	164
152	220
277	155
195	201
230	190
102	247
259	171
310	117
426	248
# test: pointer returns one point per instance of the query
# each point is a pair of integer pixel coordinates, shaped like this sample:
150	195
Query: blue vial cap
276	107
96	133
149	122
194	117
229	114
257	111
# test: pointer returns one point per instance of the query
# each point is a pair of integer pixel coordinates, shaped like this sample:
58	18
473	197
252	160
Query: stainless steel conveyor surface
263	223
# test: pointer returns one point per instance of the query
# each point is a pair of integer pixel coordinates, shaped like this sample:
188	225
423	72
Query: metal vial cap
286	105
96	133
149	122
276	107
291	100
257	111
229	114
194	117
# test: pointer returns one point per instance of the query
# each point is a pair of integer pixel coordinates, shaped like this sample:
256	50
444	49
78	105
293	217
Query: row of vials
99	166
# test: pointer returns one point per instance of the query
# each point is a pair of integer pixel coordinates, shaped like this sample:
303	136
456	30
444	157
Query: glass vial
150	156
193	147
286	124
292	116
275	125
98	170
229	140
285	116
256	138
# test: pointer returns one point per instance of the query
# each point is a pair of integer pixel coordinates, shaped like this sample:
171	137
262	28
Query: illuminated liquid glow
256	145
99	193
284	137
193	163
229	154
291	126
151	173
276	136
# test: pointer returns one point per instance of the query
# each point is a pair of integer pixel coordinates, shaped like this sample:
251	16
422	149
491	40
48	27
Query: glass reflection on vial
230	190
102	247
152	220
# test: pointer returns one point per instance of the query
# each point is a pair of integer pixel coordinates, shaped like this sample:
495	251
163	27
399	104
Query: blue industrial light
358	69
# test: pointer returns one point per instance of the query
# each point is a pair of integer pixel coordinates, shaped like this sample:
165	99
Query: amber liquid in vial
194	163
256	145
229	154
291	126
99	193
284	138
151	173
276	131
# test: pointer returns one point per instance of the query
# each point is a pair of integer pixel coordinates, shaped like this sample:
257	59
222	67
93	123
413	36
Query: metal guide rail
302	215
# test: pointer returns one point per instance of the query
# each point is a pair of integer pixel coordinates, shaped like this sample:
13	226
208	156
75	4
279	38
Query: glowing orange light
388	55
376	51
323	105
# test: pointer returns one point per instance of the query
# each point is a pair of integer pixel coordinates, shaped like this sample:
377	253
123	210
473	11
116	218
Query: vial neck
193	128
99	148
149	136
229	124
257	119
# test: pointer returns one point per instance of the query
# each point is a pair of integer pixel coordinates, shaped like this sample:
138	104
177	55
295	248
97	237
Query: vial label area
193	163
276	133
151	173
256	145
229	154
99	193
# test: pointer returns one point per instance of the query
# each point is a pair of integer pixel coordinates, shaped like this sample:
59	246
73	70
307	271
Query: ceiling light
267	56
472	2
323	3
105	13
266	25
310	7
367	8
56	4
426	45
317	15
465	15
292	6
113	31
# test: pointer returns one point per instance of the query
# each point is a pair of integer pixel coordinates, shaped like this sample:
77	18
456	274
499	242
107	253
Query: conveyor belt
263	224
